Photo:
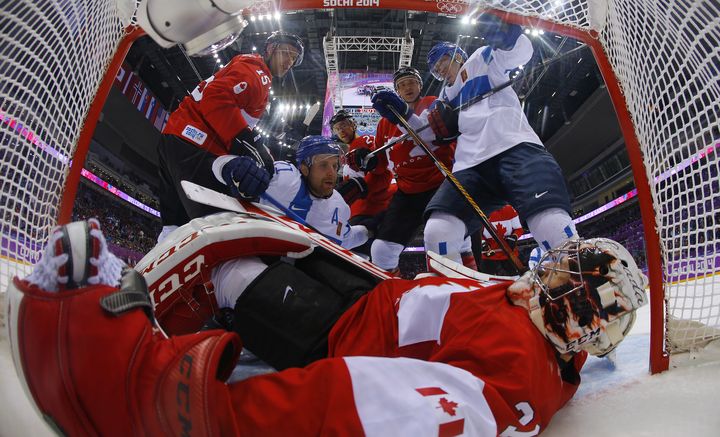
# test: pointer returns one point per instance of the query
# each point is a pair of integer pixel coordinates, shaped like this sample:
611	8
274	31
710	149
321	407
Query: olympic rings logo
450	7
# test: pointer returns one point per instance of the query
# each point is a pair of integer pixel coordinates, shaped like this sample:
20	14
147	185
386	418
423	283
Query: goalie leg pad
285	315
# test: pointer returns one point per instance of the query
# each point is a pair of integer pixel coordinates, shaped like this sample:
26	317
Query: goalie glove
87	348
353	189
357	159
443	120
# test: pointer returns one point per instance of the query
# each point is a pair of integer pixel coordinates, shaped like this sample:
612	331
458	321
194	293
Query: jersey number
527	415
197	93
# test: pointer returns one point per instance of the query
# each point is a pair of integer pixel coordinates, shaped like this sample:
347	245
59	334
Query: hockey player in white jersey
498	159
306	191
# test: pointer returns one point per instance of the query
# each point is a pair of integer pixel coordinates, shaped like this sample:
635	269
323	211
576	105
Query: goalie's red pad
178	269
65	346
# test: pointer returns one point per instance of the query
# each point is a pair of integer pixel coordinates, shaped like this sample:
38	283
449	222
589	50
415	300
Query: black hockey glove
358	156
245	177
249	142
443	121
511	241
353	189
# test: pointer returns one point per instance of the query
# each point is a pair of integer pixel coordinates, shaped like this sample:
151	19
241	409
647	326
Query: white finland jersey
497	123
328	216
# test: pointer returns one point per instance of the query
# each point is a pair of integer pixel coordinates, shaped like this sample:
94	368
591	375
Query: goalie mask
583	295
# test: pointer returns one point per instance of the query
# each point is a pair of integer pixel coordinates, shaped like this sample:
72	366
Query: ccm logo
169	252
179	278
586	338
182	394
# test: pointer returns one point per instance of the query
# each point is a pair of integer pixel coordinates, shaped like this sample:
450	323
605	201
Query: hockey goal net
659	60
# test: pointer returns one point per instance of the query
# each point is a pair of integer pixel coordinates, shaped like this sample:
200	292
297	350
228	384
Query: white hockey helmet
583	295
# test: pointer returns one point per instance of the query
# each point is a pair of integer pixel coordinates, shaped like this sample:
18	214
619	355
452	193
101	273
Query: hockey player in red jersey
417	176
435	356
367	193
507	224
218	119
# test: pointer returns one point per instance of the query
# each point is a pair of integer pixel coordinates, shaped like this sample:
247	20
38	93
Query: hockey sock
551	227
386	254
444	235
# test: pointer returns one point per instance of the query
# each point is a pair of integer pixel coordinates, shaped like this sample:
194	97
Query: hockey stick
470	102
288	212
458	186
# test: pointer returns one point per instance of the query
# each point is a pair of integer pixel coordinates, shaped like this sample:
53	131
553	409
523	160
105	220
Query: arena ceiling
551	95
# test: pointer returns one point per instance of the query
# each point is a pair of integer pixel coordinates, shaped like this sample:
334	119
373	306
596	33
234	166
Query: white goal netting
666	58
52	58
665	55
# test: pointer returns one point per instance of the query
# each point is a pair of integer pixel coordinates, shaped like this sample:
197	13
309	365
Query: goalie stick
469	103
458	186
207	196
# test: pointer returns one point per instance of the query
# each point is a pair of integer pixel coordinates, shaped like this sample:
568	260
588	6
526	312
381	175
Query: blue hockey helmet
313	145
438	51
281	37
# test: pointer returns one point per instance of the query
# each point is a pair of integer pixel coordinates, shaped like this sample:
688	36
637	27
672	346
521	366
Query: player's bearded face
408	88
282	58
345	130
322	175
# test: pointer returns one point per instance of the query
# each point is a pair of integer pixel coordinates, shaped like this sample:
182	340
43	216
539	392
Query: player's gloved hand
443	121
249	142
353	189
245	177
384	100
357	160
497	33
485	248
511	241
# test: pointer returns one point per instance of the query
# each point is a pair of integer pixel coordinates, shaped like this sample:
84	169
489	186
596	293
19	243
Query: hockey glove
358	157
249	142
384	100
353	189
245	177
511	241
443	120
497	33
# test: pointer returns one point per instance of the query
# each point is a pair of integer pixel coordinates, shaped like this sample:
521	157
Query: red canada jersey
379	182
506	222
469	326
414	171
223	105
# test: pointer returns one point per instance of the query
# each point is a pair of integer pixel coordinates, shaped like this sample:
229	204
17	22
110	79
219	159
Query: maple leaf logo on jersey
242	86
501	230
448	406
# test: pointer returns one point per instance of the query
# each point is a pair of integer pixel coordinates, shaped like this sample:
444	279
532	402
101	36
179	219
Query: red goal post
659	61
